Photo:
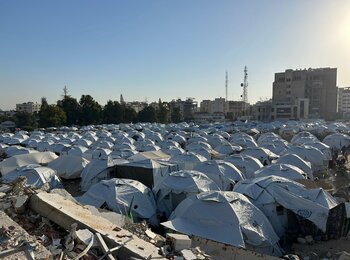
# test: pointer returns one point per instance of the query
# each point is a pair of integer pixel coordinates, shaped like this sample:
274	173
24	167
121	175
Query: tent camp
124	196
275	195
265	156
224	174
225	217
282	170
179	185
12	163
297	161
245	163
187	161
337	141
69	166
149	172
97	170
36	176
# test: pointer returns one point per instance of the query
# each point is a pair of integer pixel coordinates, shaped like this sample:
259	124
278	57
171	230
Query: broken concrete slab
227	252
179	241
20	203
65	212
18	233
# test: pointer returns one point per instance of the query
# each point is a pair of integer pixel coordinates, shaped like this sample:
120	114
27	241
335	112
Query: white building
344	102
28	107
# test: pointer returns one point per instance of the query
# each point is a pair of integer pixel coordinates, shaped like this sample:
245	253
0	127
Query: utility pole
65	92
244	96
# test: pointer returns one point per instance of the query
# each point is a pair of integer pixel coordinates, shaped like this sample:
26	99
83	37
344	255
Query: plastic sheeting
69	166
224	174
36	176
179	185
16	161
226	217
269	192
123	196
282	170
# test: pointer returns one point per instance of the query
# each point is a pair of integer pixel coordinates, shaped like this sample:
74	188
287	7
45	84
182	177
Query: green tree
26	121
130	115
91	111
175	115
112	113
71	107
163	112
148	114
52	116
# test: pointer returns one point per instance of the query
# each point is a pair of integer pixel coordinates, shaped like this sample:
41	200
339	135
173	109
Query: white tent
224	174
17	150
36	176
124	196
187	161
297	161
273	195
246	164
265	156
97	170
225	217
16	161
179	185
69	166
227	149
313	155
282	170
337	141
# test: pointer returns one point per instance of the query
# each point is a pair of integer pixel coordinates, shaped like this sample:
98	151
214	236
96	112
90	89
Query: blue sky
167	49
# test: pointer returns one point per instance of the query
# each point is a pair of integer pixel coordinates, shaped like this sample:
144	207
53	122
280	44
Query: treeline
69	111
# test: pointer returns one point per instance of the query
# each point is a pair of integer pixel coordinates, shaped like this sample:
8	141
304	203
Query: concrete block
179	241
20	203
65	212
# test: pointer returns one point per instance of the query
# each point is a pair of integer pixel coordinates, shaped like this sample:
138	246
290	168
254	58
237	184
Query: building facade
28	107
319	86
344	102
187	107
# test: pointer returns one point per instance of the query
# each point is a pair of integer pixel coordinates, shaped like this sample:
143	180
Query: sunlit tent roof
36	176
226	217
123	196
268	192
69	166
16	161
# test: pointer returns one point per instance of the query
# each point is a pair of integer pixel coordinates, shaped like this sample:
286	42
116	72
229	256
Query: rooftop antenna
244	85
65	91
226	86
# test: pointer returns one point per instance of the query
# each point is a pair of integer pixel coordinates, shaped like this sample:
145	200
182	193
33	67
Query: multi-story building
235	109
137	106
263	110
218	105
317	85
28	107
187	107
344	102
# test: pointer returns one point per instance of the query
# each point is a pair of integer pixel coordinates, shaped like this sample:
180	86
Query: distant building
344	102
235	109
187	107
205	117
28	107
263	110
137	106
319	86
218	105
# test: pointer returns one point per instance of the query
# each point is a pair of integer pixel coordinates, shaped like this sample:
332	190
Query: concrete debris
179	241
188	254
20	203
